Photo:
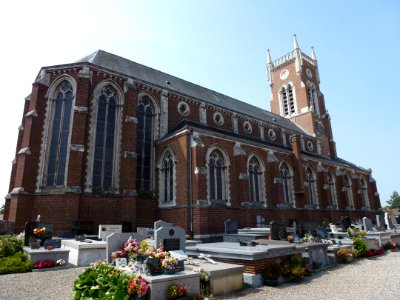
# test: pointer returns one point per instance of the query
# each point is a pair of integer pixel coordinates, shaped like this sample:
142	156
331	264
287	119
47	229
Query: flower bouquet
176	291
39	232
138	287
169	264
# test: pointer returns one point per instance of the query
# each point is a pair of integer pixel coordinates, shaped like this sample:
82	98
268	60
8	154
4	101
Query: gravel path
376	278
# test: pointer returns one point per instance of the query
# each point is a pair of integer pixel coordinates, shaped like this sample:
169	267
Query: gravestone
367	224
278	231
322	233
31	225
106	230
160	223
172	238
52	243
115	241
346	223
147	233
388	221
231	227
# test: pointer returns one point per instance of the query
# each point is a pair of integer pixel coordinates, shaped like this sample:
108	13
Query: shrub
342	255
360	245
17	263
293	270
9	245
102	281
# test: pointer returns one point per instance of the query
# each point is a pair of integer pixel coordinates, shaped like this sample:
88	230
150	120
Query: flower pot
169	271
349	259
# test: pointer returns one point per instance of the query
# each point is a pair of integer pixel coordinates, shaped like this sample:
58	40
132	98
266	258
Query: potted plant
138	287
344	256
294	270
169	264
271	275
176	291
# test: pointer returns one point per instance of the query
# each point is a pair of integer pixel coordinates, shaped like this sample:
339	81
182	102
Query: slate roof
132	69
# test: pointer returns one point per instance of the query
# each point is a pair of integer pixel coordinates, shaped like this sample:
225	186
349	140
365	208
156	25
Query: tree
394	201
2	208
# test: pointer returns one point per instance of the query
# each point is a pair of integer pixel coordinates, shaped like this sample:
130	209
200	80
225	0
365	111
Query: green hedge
17	263
12	258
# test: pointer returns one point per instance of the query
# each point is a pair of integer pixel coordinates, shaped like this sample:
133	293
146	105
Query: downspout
190	185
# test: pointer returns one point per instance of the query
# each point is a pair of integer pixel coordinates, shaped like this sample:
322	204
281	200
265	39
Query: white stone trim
172	203
262	192
46	133
225	183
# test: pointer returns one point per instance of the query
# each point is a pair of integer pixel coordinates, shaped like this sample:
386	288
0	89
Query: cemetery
159	261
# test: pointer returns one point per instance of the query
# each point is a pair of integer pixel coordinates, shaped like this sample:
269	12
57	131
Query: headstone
334	228
346	223
367	224
231	227
31	225
170	237
106	230
160	223
388	221
378	223
322	233
146	232
278	231
52	243
115	240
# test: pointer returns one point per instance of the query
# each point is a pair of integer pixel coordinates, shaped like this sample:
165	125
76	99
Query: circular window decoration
284	74
271	134
247	127
218	118
310	146
183	108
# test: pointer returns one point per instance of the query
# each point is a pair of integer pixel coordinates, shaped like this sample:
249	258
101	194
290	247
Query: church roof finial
269	60
295	43
313	56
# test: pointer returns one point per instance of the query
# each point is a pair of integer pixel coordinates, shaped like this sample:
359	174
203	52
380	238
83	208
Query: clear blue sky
222	45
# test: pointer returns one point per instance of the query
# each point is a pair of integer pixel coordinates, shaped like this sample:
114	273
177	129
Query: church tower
294	81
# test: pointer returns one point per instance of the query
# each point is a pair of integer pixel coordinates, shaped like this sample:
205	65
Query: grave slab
42	254
159	284
223	278
84	253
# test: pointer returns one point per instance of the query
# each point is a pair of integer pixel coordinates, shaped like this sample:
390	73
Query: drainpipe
190	185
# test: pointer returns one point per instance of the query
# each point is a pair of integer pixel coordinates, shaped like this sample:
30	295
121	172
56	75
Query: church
105	140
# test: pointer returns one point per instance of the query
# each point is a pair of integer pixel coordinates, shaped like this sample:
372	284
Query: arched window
217	177
103	160
364	193
59	135
349	192
287	184
312	97
287	100
332	190
256	180
144	143
167	179
312	191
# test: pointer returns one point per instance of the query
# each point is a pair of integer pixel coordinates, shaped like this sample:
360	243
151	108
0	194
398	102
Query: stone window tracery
59	135
256	180
364	193
247	127
144	143
349	192
312	188
217	177
167	173
287	98
287	183
332	190
218	119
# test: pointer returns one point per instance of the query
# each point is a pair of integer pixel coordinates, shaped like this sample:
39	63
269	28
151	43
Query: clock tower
294	81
